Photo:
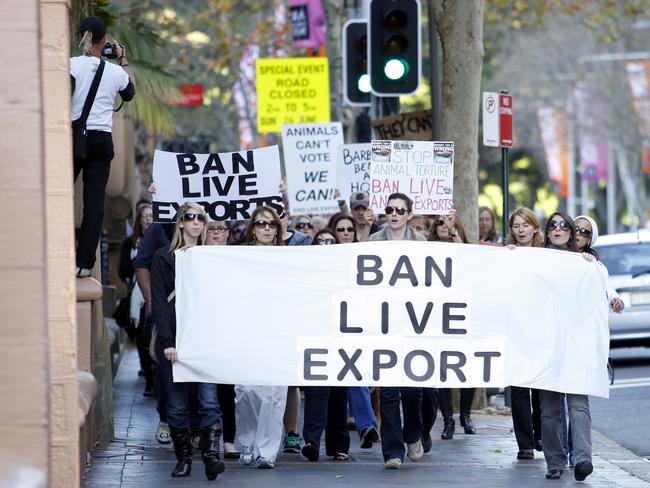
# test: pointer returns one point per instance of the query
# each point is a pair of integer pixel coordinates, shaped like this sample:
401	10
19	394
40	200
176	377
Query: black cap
94	25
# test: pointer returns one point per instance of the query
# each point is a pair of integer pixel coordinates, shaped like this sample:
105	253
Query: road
622	417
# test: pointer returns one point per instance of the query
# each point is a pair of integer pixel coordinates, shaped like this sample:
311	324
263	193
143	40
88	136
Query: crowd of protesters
256	422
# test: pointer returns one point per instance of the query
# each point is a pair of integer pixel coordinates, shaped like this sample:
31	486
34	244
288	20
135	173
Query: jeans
326	408
361	408
580	420
96	168
177	404
393	436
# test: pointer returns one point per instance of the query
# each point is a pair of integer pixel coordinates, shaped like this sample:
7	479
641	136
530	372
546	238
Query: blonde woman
190	230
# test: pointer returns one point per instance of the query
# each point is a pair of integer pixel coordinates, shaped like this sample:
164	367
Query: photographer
92	116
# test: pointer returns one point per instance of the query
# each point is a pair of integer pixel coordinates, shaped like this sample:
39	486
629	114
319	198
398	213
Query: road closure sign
292	91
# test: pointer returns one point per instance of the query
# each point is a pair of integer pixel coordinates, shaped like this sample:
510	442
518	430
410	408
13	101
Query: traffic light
356	81
394	47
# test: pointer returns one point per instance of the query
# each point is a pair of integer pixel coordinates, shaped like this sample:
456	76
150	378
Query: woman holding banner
449	228
189	231
525	231
259	410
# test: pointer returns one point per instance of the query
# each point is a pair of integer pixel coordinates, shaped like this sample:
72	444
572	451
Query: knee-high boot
183	450
210	452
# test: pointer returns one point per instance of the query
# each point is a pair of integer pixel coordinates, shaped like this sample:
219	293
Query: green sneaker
291	443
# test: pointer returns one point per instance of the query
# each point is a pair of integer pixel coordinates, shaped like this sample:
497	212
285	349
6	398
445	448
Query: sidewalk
135	459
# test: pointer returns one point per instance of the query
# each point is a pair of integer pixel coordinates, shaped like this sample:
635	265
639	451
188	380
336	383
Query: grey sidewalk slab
135	459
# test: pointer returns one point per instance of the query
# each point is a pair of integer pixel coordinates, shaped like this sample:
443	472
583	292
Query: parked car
627	258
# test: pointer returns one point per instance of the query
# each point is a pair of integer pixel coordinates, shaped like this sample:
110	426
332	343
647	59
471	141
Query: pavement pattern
488	459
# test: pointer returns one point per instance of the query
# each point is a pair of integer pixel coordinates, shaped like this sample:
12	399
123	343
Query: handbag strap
90	98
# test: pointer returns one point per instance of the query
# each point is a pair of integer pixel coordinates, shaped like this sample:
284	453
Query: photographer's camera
109	50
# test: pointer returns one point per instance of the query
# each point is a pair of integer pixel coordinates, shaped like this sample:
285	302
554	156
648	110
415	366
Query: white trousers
259	411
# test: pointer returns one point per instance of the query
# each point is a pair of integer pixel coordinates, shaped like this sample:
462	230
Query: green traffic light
396	69
363	84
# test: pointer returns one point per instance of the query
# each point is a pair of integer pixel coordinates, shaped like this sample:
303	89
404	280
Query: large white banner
353	171
230	186
310	155
392	313
423	170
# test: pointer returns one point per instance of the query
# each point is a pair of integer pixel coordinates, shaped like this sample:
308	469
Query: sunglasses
189	217
559	224
390	210
438	223
345	229
325	242
302	225
583	232
261	224
217	230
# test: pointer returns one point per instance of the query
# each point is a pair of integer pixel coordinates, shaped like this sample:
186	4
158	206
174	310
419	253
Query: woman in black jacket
191	227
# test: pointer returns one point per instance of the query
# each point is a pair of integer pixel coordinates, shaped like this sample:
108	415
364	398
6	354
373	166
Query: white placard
422	170
353	171
540	321
230	186
491	119
310	159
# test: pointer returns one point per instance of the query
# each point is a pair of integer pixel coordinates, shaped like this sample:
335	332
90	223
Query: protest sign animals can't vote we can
310	156
230	186
423	170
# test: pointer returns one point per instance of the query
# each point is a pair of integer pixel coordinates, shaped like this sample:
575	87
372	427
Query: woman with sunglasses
259	410
449	228
525	231
394	433
561	235
344	228
324	237
303	224
190	230
326	407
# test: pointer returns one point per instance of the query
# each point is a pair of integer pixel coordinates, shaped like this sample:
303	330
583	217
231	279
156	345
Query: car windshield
625	258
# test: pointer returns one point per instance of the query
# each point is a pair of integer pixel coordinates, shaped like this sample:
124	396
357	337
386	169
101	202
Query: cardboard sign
310	157
412	126
353	170
228	185
392	313
423	170
292	91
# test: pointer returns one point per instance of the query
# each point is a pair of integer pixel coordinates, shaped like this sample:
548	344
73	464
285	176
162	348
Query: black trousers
226	395
95	167
446	406
429	409
326	408
527	424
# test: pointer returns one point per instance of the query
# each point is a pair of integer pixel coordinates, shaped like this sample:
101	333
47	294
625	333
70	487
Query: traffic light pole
506	177
434	74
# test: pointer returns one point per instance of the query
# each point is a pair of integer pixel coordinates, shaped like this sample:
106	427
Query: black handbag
122	313
79	131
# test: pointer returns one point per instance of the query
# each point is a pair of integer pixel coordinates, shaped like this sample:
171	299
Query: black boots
210	452
448	430
466	423
183	449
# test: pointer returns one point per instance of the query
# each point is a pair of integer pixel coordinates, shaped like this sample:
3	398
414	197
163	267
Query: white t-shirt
114	79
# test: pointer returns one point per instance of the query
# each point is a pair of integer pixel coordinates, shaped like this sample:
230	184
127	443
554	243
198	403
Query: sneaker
415	451
264	463
526	454
229	451
82	272
427	443
368	437
393	463
196	442
291	443
247	456
162	433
